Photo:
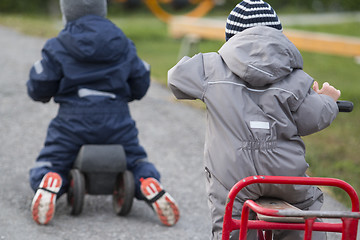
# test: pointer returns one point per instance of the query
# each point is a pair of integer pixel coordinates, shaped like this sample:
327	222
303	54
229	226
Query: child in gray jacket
259	103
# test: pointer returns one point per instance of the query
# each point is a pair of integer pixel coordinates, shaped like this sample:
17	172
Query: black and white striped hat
251	13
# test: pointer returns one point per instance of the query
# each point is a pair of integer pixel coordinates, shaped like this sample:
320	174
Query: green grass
350	29
42	26
333	152
152	42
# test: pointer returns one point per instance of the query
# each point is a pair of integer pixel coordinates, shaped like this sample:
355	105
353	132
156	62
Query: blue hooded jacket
90	53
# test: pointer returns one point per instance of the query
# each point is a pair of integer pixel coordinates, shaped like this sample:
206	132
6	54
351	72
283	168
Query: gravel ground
171	132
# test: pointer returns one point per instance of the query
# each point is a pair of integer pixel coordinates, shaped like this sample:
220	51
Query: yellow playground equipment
162	8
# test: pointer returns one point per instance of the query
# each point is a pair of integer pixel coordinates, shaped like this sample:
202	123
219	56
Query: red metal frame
348	227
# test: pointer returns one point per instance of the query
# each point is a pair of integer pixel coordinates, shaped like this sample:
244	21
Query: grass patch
333	152
152	43
342	72
35	25
349	29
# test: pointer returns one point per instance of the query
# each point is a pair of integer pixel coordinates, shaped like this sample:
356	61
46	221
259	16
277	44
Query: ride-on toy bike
101	170
275	214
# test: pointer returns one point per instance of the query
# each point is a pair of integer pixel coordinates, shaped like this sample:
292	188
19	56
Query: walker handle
345	106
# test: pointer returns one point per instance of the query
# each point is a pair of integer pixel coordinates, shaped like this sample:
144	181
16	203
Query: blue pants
69	131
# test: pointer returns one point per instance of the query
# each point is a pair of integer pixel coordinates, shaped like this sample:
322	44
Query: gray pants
309	198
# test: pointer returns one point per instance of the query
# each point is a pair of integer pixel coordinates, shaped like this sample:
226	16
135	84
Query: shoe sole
165	207
43	204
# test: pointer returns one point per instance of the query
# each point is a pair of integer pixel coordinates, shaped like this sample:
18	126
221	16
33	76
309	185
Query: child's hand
328	90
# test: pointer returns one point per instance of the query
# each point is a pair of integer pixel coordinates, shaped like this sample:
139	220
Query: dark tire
76	192
124	193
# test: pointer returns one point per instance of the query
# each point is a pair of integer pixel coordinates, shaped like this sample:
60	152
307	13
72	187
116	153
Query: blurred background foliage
50	6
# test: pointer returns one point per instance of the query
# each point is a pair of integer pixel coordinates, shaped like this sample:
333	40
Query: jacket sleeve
187	78
316	112
44	78
139	79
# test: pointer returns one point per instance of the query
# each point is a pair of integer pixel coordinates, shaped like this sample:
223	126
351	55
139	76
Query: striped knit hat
251	13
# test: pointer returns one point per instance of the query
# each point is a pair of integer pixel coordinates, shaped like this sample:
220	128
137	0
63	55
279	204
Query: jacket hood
261	55
93	39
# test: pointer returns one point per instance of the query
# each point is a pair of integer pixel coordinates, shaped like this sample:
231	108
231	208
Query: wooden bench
195	29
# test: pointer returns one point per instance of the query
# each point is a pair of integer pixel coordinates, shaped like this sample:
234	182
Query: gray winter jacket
259	102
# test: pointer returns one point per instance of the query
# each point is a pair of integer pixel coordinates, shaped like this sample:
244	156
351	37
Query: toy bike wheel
76	192
123	193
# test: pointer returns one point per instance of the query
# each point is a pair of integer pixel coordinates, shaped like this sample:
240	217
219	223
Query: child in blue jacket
92	71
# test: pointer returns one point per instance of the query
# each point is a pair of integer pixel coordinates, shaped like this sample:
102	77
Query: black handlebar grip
345	106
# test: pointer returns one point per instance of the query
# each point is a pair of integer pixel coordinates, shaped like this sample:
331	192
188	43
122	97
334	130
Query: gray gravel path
171	132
